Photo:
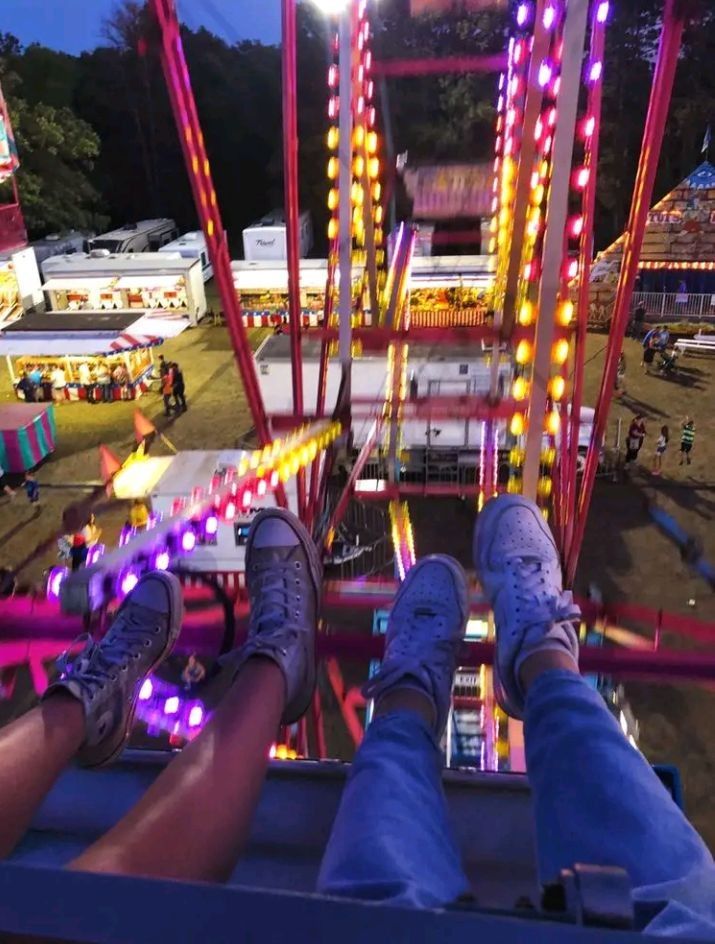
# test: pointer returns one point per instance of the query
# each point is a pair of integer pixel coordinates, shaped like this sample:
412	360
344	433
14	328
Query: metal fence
675	306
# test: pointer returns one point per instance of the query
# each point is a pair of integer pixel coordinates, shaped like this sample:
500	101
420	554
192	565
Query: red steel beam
191	137
342	504
404	68
292	213
674	17
593	109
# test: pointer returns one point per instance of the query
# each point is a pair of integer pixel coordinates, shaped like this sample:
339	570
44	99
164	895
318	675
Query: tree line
98	143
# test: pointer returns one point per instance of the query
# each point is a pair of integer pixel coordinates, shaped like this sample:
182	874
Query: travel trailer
266	239
192	246
144	236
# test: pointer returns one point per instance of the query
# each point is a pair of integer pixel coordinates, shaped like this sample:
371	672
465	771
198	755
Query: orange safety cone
109	464
143	426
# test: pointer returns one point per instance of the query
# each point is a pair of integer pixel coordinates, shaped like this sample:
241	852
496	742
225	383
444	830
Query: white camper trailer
144	236
265	240
192	246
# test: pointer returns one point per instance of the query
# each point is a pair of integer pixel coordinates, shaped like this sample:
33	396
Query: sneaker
283	577
107	675
424	633
519	568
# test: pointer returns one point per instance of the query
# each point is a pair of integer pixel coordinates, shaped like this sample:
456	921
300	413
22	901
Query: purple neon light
196	716
522	13
54	581
171	705
129	582
602	11
188	541
162	560
549	17
145	692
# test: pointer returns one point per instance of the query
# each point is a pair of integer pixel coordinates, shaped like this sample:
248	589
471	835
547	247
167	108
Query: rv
266	239
60	244
144	236
192	246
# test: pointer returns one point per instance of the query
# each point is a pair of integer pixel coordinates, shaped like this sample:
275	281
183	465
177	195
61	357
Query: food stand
27	435
157	281
116	345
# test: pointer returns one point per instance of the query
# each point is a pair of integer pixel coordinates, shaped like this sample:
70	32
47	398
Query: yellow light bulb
359	166
517	425
565	313
332	229
526	314
371	142
553	422
523	352
560	351
333	138
333	199
358	135
333	168
376	191
378	215
558	386
373	167
544	487
520	388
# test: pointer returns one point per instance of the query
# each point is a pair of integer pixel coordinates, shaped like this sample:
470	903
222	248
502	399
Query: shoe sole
176	617
484	530
459	579
316	572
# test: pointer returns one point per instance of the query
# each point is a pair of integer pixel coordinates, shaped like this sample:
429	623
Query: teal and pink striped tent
27	435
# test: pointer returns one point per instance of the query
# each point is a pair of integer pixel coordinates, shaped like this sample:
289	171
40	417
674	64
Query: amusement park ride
548	95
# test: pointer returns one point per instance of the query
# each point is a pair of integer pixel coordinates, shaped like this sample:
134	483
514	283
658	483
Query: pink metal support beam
404	68
593	112
192	143
357	468
292	213
674	17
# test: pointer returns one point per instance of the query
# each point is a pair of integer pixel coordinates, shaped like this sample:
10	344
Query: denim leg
598	801
391	840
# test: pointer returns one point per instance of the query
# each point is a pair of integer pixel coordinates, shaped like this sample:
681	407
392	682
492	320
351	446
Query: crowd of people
48	384
637	433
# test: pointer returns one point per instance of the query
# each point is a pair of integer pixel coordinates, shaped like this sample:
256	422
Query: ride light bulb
211	525
560	352
171	705
196	716
128	582
145	692
517	424
595	72
553	422
162	560
565	314
549	16
523	352
522	14
188	541
557	387
602	12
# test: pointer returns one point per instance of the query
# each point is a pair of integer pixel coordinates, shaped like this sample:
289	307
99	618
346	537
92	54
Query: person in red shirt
635	437
167	389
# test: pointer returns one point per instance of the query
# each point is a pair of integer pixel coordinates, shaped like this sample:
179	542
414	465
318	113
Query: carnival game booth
263	289
86	345
164	282
20	284
27	435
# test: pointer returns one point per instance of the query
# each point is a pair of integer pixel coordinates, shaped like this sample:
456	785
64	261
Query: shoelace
272	606
100	662
538	601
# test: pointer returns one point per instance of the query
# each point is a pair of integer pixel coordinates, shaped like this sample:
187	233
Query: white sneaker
107	675
283	577
424	633
518	565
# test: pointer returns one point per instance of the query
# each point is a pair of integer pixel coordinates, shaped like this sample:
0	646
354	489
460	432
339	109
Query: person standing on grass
635	437
167	389
32	487
620	386
687	438
179	388
4	487
59	382
660	448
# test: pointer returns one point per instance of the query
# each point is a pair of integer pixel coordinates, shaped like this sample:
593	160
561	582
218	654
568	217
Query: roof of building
680	229
141	226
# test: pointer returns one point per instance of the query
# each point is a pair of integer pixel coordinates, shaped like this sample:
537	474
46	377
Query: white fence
668	306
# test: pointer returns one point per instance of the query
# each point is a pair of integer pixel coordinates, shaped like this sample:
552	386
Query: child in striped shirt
687	438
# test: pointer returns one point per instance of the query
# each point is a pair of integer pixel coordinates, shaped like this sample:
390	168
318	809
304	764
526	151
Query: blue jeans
596	800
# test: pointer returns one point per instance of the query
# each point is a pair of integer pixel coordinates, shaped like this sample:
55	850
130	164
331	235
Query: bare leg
194	820
33	751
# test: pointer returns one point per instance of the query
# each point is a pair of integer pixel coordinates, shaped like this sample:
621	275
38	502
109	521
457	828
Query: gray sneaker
518	565
424	633
107	675
283	577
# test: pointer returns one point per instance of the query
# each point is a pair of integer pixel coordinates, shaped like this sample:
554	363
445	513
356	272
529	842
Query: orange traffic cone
109	464
143	427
